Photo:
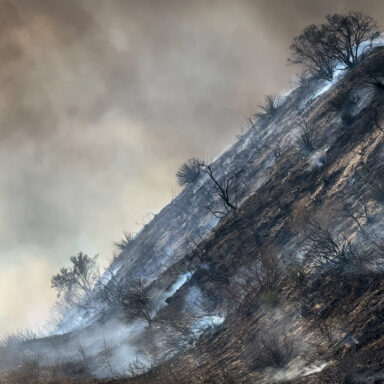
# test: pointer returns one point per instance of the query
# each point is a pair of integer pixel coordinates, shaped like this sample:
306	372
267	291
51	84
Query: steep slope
349	302
209	318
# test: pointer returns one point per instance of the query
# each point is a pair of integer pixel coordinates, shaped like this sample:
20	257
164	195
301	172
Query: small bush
26	373
319	48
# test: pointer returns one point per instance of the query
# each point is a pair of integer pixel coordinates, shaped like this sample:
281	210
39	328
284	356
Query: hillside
286	288
333	318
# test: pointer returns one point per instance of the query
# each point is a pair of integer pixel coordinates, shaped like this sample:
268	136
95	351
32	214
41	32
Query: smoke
113	346
102	101
297	368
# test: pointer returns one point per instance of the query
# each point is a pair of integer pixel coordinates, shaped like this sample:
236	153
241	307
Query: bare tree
76	282
110	289
226	187
319	48
346	33
309	51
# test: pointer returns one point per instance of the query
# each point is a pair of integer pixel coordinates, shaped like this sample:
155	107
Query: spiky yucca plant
188	172
374	84
269	109
124	242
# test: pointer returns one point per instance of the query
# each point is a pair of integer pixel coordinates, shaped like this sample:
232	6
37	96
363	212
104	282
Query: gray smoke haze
101	101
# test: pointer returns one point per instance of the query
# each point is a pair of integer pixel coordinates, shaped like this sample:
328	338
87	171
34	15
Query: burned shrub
306	139
327	329
137	302
272	348
259	281
133	300
276	150
326	250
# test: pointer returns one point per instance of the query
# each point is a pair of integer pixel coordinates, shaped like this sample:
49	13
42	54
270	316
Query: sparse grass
30	371
299	214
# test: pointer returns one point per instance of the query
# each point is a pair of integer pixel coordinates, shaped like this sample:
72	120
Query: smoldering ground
102	101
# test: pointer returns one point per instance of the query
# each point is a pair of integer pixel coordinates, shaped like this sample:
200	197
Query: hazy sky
101	101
